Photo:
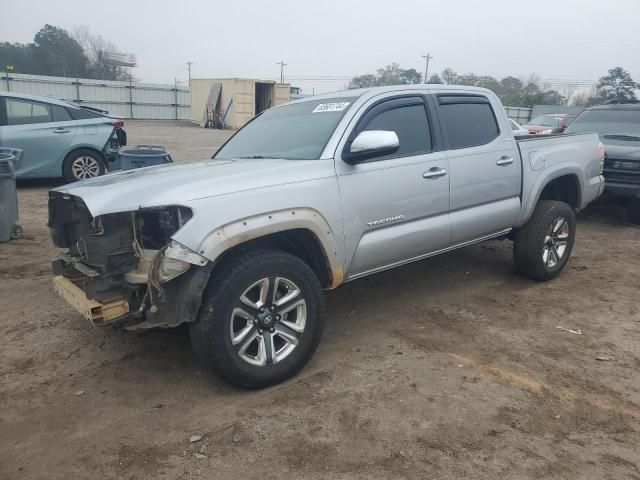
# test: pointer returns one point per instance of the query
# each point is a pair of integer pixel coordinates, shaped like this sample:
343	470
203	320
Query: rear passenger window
469	124
410	124
82	114
60	114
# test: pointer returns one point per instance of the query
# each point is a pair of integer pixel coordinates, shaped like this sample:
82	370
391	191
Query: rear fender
547	176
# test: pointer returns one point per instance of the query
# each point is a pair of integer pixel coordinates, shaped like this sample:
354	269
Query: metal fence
520	114
127	99
555	109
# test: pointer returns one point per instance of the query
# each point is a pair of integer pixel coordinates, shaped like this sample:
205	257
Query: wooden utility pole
282	65
189	68
427	57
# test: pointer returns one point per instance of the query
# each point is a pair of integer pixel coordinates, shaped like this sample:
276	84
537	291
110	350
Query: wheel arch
564	188
562	184
302	232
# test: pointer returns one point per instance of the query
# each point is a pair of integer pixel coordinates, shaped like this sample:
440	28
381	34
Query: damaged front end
123	268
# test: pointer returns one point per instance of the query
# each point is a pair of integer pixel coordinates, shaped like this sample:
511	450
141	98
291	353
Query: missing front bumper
97	312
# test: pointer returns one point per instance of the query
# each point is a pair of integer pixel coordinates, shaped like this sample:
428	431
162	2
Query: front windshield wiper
632	138
254	157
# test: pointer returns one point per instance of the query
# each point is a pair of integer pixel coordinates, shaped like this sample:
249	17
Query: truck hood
621	149
178	184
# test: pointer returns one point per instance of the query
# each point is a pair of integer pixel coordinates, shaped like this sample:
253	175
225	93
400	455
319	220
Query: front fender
238	232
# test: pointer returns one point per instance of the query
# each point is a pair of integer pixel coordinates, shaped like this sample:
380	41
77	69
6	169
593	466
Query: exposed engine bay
122	257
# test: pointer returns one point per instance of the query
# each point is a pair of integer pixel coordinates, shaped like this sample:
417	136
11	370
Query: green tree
410	77
363	81
510	92
485	81
19	55
468	79
390	75
617	87
435	78
56	53
449	76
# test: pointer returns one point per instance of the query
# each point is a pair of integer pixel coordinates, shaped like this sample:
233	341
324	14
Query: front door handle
434	173
61	130
504	161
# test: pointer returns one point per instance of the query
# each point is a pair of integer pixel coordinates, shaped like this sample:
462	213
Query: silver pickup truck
305	197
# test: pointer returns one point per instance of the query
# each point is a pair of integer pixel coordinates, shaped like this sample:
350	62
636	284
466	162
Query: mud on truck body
305	197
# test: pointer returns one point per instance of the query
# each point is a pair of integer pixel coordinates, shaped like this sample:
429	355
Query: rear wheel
82	164
542	247
261	319
633	211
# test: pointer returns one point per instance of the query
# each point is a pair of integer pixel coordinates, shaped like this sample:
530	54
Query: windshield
298	131
609	124
546	121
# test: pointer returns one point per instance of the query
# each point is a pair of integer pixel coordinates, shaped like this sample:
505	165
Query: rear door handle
61	130
504	161
434	173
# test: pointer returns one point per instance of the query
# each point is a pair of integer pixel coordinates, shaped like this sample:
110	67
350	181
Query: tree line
54	51
615	87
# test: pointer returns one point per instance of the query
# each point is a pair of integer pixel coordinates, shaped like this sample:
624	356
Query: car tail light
118	123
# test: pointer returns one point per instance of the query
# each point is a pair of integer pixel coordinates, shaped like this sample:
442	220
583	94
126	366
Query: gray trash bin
143	156
9	228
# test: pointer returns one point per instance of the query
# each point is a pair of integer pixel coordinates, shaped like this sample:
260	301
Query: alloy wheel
556	242
85	167
267	321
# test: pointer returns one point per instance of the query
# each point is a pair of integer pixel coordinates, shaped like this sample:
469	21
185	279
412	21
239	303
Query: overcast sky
329	41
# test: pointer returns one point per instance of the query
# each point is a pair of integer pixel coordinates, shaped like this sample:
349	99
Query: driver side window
410	124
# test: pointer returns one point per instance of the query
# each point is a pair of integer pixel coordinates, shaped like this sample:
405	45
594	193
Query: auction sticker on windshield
330	107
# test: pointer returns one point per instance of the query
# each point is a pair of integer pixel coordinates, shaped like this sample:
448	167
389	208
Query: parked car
549	123
59	139
308	196
518	130
619	129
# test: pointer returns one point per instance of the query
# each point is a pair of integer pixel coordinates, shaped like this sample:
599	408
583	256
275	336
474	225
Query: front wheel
543	245
261	319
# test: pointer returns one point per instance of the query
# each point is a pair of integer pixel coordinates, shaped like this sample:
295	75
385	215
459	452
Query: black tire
633	211
95	166
535	249
211	334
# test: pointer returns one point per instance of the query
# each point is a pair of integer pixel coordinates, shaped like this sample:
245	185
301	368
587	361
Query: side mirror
371	144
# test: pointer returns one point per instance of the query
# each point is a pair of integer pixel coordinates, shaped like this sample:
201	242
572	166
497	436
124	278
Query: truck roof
372	91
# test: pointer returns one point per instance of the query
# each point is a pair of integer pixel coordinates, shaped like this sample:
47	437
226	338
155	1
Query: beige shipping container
248	97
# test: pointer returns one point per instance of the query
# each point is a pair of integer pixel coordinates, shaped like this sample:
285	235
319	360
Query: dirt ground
444	369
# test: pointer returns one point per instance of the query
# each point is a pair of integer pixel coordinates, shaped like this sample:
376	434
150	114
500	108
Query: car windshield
546	121
621	125
298	131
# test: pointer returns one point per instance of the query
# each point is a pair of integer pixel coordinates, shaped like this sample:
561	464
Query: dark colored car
549	123
619	130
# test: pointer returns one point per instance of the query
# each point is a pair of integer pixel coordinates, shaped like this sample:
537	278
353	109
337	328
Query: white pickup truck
305	197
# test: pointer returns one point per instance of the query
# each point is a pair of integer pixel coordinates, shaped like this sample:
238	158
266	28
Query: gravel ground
448	368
